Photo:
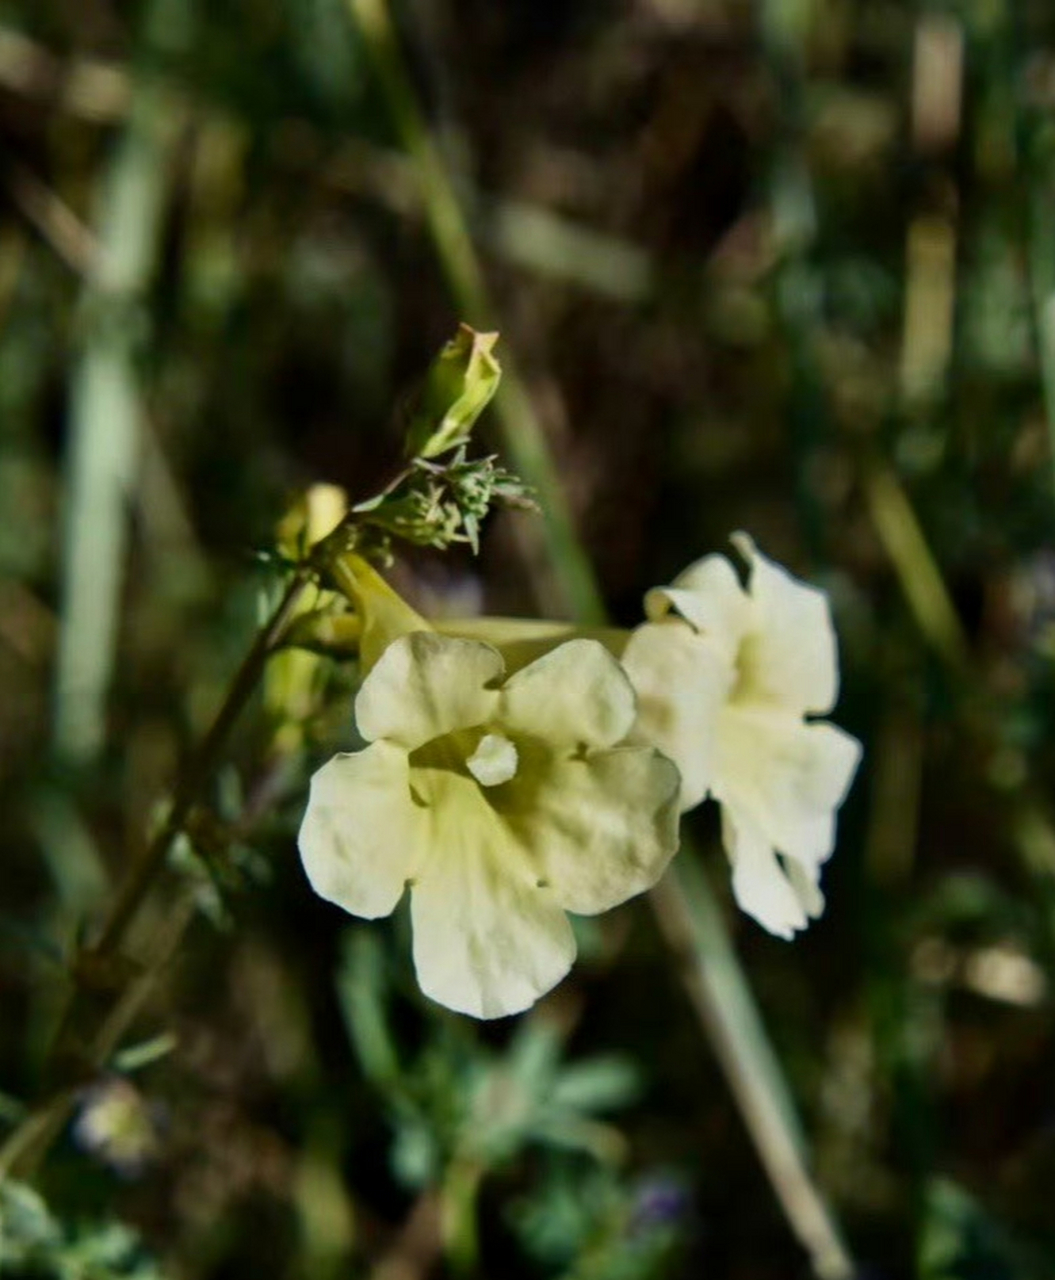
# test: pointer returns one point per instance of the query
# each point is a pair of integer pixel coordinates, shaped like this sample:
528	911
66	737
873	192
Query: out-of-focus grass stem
1042	279
527	235
87	87
27	1145
730	1016
921	579
104	411
458	1216
522	431
53	218
413	1253
692	923
202	766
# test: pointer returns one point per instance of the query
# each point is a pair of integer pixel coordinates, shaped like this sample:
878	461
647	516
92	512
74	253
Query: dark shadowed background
786	266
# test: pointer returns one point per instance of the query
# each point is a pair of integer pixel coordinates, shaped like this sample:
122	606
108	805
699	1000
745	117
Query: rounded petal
521	640
789	776
709	597
600	828
576	693
488	940
760	885
790	654
682	681
362	835
425	685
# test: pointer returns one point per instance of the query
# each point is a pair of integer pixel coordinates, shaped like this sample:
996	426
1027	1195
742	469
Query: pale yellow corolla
727	680
501	803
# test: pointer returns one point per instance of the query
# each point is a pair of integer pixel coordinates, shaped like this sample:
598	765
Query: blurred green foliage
785	267
34	1243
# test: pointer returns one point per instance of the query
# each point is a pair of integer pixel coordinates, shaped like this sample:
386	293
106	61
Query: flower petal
760	885
709	597
600	828
522	640
789	776
806	883
789	655
682	681
488	941
362	835
576	693
425	685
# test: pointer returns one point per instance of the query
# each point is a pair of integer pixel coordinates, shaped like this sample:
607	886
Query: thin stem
523	434
689	918
28	1144
905	543
748	1061
458	1199
1042	276
415	1250
105	409
22	1153
200	768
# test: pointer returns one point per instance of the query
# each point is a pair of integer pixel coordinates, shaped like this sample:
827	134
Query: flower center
494	761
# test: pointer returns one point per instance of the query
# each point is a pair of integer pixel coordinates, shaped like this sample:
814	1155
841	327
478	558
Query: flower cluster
726	679
518	770
505	801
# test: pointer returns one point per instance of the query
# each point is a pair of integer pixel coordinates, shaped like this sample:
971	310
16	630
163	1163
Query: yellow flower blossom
502	803
727	679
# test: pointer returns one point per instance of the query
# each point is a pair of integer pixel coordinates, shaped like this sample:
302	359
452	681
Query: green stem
921	580
28	1144
523	434
1042	273
693	926
200	768
748	1060
458	1215
105	407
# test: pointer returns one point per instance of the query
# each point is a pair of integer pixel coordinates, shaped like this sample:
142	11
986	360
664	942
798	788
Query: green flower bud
458	387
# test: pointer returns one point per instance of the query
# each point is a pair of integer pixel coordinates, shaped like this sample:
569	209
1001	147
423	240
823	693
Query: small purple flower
661	1200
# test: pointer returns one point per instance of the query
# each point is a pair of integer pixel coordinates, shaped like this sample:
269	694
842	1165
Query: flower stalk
523	436
532	457
29	1142
320	538
201	767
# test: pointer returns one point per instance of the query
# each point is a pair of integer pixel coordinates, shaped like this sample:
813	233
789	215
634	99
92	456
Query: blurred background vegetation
787	266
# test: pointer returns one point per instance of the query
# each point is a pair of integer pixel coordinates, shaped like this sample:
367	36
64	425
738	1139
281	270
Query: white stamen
494	761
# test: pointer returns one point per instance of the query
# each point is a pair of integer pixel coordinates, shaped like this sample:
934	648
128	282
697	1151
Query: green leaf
958	1240
360	990
603	1083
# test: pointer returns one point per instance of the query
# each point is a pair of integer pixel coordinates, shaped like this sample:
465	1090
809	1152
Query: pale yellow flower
501	805
727	680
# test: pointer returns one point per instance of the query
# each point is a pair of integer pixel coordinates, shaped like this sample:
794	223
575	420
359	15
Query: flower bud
458	387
